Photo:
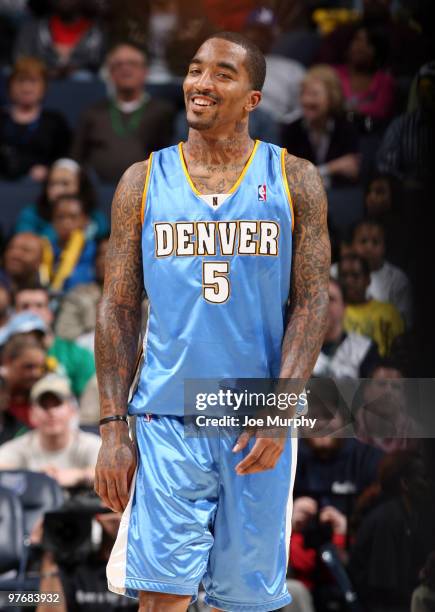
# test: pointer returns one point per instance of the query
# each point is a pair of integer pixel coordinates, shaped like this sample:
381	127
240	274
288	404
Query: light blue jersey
217	274
217	277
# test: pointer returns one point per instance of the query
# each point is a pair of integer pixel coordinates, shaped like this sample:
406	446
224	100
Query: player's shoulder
127	202
135	173
305	185
299	167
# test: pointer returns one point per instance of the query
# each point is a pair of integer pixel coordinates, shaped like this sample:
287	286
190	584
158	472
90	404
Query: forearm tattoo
310	271
119	312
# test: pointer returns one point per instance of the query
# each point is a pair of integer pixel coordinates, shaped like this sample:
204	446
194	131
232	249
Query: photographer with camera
332	472
74	565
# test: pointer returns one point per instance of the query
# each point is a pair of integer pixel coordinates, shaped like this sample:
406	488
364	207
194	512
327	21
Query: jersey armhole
145	188
286	186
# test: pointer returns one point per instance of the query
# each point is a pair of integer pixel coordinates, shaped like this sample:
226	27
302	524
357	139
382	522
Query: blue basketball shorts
192	519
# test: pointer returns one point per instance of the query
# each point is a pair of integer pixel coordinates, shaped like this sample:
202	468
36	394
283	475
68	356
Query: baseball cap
51	383
262	16
22	323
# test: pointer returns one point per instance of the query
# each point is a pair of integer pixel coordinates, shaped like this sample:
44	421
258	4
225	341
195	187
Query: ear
253	101
33	420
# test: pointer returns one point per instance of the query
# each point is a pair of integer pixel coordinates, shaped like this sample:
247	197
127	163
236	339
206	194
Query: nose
204	82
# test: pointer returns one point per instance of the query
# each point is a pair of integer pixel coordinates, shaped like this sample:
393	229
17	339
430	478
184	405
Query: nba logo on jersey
262	197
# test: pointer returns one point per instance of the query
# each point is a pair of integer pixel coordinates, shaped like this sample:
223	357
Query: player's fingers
112	494
122	490
242	440
251	458
102	491
266	461
96	483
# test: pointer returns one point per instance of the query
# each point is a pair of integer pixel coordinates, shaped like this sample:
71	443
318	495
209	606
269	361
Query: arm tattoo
119	312
310	271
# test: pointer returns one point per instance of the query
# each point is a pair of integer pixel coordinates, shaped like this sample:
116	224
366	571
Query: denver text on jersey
207	237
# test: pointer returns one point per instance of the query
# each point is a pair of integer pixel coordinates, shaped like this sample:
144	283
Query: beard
200	124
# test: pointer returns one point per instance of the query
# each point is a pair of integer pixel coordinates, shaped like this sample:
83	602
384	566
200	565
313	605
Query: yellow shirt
380	321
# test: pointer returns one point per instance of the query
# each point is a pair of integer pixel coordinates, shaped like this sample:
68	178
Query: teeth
201	102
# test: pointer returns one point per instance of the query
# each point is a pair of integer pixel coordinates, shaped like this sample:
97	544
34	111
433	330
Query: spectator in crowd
31	138
66	40
380	321
124	129
55	446
64	355
10	426
383	201
332	472
296	40
65	176
382	419
343	354
368	89
163	24
408	147
423	598
323	135
78	310
83	584
407	49
305	564
23	364
71	255
381	196
5	305
388	283
280	100
22	260
170	30
395	536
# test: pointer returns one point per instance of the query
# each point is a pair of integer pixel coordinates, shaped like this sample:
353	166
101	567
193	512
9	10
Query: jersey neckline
236	184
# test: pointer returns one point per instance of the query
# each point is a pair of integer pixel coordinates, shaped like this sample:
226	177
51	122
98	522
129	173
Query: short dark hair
68	197
387	363
123	42
86	190
370	221
18	344
36	286
255	62
354	257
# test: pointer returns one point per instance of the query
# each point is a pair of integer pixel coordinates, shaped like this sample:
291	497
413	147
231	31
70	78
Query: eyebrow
227	65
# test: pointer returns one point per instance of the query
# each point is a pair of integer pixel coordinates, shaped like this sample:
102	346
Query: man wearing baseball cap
55	446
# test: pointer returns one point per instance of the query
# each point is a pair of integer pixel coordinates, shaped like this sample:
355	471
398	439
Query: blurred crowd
87	89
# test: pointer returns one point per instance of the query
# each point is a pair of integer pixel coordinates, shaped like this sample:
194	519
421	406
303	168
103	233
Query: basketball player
220	231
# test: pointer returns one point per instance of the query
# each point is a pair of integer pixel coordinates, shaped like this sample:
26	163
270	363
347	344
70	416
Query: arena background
86	89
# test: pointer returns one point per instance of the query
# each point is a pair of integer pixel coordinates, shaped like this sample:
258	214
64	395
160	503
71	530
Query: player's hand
115	466
265	452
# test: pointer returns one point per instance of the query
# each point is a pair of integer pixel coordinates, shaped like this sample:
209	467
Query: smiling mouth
201	102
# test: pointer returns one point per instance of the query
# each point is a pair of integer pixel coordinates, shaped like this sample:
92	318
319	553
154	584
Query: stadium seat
18	194
71	97
11	531
345	206
15	196
38	493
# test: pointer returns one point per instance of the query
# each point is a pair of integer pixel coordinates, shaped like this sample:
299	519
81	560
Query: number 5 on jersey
215	282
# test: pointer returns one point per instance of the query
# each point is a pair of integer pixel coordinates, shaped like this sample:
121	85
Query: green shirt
77	362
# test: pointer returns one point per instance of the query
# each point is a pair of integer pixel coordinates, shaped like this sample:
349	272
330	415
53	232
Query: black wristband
115	417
